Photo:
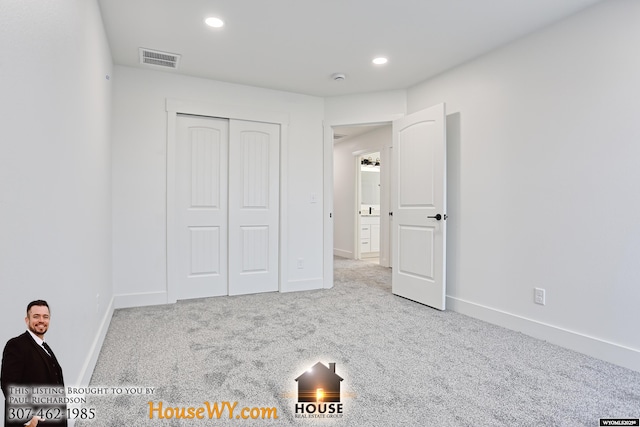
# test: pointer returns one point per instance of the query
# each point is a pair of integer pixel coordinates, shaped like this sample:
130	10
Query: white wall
55	196
139	169
345	168
543	173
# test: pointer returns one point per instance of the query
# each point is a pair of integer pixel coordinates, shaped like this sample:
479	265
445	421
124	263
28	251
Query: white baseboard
370	255
610	352
342	253
303	285
140	299
92	358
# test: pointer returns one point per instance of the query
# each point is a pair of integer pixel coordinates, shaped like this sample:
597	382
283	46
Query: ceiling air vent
159	59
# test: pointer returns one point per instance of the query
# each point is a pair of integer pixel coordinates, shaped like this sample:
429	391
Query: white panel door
201	207
419	207
254	181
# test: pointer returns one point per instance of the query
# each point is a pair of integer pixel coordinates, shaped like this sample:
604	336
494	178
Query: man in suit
31	376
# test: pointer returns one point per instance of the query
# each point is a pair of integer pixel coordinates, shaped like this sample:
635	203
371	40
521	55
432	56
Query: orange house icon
319	384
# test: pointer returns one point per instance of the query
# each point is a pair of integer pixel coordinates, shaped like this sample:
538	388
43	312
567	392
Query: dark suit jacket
26	364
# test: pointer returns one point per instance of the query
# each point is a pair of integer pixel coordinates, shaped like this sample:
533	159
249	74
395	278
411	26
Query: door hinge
330	214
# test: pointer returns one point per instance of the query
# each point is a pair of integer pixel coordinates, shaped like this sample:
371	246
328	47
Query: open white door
419	207
254	215
201	207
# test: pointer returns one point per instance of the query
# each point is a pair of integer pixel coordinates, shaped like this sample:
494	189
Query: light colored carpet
403	364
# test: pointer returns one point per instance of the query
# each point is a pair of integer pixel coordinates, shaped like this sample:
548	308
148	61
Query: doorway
367	246
361	227
433	127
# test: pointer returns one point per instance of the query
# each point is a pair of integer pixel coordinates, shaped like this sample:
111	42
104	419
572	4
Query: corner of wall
84	377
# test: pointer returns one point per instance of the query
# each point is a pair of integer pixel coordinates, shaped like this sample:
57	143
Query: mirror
370	181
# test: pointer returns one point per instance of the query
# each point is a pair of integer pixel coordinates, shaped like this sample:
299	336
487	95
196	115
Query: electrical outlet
300	263
539	296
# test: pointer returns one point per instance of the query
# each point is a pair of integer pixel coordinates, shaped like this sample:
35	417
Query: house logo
319	393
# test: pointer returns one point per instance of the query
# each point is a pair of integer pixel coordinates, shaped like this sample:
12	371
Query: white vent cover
160	59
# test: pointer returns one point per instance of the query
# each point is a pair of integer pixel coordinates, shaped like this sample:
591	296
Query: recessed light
214	22
380	61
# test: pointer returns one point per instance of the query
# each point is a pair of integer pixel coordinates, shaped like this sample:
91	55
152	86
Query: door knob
437	217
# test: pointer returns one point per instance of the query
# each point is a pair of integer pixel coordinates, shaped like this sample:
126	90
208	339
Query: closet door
201	209
254	180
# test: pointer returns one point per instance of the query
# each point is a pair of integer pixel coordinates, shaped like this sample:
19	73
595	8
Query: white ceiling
296	45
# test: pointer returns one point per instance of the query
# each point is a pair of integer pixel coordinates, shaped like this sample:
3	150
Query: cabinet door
365	232
375	237
365	238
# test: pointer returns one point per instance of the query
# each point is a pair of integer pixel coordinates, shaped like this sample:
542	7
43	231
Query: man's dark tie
54	363
46	347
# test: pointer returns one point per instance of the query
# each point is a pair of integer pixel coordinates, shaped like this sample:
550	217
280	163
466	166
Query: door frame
328	183
174	107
